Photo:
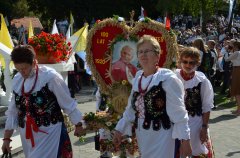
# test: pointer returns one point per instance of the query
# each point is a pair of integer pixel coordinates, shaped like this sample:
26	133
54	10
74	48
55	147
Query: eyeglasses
147	51
189	62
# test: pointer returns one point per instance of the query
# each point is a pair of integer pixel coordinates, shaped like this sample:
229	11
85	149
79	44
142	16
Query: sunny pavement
224	129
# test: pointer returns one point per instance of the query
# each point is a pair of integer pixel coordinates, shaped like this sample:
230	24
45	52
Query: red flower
53	45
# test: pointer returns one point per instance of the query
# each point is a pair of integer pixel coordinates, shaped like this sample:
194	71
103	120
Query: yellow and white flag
78	41
81	42
5	37
30	30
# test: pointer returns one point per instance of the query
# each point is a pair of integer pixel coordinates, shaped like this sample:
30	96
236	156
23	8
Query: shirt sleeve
124	125
12	115
232	57
207	96
65	101
175	107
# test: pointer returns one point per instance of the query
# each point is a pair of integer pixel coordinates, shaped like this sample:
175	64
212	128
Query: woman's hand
117	138
185	148
79	131
6	146
204	135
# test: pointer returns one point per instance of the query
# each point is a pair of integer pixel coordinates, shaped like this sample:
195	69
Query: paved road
224	128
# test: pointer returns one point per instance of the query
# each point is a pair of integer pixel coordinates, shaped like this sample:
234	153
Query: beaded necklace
143	91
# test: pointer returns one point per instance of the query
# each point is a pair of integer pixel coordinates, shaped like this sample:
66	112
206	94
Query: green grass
222	101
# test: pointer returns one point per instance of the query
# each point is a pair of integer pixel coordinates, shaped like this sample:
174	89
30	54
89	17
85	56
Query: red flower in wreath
52	45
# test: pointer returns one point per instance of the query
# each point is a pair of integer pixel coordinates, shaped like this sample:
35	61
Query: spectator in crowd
63	26
21	35
235	82
205	64
227	68
214	58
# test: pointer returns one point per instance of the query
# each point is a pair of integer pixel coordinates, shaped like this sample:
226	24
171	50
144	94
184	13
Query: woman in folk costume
198	101
155	107
39	94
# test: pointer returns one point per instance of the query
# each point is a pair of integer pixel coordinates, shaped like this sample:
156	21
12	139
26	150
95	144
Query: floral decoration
51	45
101	119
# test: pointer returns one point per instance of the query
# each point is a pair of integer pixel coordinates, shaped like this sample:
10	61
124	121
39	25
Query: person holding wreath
39	95
155	107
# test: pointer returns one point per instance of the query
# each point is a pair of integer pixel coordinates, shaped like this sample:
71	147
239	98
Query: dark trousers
226	81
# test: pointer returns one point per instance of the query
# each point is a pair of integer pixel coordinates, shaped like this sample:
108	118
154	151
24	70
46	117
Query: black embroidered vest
43	108
193	100
155	108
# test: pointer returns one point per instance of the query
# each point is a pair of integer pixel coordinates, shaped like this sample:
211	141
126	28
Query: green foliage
85	10
20	9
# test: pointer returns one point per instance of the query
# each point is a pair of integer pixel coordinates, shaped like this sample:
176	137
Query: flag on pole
78	41
71	24
30	30
167	23
230	9
54	28
68	34
143	12
5	37
6	21
81	42
201	18
71	18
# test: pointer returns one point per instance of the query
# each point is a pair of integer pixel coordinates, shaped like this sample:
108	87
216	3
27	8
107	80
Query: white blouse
160	143
234	58
45	144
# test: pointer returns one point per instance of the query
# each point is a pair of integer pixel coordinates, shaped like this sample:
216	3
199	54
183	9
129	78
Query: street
224	128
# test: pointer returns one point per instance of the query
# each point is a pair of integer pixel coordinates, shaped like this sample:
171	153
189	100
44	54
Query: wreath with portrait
105	41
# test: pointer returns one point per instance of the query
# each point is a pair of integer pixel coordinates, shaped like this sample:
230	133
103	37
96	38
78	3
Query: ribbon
32	126
30	123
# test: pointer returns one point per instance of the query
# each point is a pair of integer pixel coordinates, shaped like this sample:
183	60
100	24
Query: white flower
108	123
121	19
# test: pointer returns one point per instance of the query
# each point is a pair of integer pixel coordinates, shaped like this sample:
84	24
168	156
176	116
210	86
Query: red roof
26	21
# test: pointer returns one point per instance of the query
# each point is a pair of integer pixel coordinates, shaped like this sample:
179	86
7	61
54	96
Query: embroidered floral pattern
155	108
43	107
65	147
193	100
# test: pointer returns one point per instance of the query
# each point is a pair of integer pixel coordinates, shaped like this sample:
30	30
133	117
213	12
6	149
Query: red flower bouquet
53	46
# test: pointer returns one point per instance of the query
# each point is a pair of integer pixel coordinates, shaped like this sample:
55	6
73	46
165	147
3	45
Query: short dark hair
23	54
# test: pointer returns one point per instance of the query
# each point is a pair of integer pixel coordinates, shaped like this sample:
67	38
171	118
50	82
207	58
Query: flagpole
231	17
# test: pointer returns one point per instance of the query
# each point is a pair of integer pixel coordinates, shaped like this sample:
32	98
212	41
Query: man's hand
185	148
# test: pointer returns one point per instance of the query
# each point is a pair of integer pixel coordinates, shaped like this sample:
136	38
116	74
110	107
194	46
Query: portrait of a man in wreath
124	68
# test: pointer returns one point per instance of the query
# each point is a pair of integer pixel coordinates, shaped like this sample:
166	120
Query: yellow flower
124	82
